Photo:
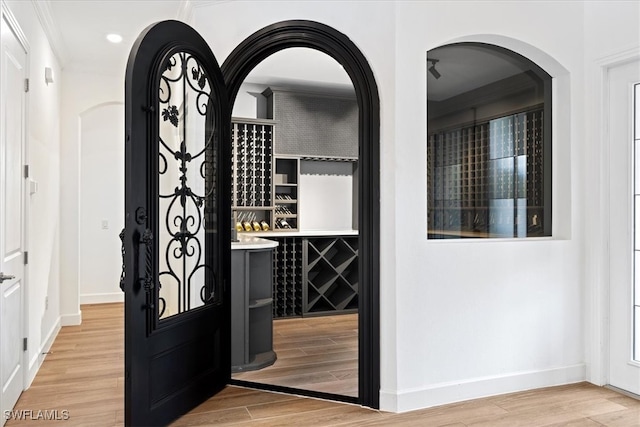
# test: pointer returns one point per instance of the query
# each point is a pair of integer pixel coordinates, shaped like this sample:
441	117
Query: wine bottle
239	226
264	225
283	223
247	226
256	226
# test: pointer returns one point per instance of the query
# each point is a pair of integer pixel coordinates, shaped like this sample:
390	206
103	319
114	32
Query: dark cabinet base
251	317
260	360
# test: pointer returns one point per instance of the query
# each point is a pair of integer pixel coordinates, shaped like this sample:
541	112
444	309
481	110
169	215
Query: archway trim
318	36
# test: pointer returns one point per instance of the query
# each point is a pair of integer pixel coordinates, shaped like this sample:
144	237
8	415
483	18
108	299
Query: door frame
599	346
14	26
614	363
314	35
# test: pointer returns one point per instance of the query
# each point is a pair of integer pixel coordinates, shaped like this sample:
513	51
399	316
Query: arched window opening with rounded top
489	144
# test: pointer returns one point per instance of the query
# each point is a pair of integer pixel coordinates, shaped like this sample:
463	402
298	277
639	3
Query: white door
12	142
624	365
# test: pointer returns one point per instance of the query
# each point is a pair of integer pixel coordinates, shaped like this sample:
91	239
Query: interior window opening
489	144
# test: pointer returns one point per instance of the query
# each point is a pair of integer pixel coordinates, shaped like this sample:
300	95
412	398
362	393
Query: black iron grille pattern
186	186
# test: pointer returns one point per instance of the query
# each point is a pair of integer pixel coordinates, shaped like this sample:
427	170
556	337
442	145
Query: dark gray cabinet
251	307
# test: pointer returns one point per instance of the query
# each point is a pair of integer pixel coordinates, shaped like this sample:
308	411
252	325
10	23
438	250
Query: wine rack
252	150
487	178
315	276
287	278
286	194
331	275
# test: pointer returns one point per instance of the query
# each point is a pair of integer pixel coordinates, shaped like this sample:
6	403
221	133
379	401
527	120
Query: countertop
248	241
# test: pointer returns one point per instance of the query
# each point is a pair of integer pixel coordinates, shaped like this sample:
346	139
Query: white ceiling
301	68
78	29
82	26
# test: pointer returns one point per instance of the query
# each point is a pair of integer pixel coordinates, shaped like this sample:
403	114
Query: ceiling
78	29
291	68
463	68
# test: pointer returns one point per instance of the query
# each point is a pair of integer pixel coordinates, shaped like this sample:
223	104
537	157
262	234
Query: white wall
249	102
493	316
43	145
459	319
101	202
326	196
84	94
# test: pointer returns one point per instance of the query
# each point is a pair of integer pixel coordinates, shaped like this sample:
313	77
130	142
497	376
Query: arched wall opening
101	195
561	170
299	33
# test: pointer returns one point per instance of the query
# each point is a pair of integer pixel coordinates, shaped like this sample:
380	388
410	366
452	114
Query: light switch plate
33	186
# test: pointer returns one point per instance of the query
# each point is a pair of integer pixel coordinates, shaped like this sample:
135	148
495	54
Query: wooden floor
314	353
83	375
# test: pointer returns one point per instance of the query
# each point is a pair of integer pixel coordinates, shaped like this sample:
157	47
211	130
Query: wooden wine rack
287	277
252	145
315	276
331	275
285	195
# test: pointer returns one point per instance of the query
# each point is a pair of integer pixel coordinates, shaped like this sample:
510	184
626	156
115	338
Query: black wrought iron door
176	242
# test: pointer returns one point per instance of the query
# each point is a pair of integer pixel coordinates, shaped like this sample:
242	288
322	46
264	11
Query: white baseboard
102	298
38	358
444	393
71	319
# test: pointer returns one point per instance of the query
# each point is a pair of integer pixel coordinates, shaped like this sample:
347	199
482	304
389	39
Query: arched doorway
314	35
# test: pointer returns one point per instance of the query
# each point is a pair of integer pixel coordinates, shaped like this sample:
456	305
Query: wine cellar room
294	225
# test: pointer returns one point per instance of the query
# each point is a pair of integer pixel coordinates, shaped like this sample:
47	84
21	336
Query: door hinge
26	171
26	257
26	85
24	344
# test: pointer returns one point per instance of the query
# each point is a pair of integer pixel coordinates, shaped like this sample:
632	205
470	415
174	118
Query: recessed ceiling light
114	38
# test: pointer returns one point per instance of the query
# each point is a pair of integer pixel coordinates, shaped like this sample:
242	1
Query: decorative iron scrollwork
186	175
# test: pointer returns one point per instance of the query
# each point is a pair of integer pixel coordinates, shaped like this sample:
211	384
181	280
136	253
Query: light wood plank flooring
84	376
314	353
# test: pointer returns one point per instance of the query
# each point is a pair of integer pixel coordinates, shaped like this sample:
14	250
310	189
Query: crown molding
51	30
187	8
185	12
14	25
619	57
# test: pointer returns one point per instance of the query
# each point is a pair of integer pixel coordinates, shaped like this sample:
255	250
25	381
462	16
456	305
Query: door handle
4	277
